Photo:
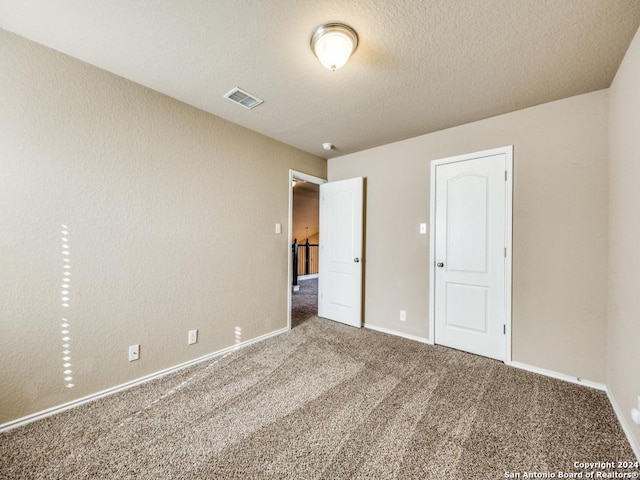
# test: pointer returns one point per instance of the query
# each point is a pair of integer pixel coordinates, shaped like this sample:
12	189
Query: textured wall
623	353
559	238
160	203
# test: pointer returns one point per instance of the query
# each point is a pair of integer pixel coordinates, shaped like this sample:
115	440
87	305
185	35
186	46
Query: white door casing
471	253
341	235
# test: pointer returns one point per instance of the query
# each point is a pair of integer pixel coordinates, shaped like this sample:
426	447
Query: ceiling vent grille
243	98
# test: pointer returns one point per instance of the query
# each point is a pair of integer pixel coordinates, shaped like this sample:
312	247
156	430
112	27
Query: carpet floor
326	401
304	302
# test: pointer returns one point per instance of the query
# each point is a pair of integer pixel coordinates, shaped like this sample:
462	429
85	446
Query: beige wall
623	353
560	228
305	212
159	199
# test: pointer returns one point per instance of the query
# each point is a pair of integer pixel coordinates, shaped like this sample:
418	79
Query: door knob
356	259
440	264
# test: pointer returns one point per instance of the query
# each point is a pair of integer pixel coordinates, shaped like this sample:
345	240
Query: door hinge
505	175
505	252
504	329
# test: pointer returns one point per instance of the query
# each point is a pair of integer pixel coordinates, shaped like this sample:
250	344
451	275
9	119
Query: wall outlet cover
635	416
134	352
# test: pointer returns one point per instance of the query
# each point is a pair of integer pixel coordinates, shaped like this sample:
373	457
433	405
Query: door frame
508	152
294	174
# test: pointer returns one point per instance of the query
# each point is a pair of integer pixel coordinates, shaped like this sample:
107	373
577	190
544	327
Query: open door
341	234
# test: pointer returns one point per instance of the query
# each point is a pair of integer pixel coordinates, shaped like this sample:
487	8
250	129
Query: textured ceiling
421	66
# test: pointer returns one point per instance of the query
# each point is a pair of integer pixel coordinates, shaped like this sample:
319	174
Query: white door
470	255
340	268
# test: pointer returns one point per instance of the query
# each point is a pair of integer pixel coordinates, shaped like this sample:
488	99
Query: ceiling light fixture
333	44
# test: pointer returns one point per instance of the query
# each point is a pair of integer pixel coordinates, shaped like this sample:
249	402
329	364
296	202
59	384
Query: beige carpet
326	401
304	302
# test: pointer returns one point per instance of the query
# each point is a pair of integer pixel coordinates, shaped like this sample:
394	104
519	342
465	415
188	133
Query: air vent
243	98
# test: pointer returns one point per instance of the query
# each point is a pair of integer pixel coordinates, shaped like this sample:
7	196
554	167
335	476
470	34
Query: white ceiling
421	66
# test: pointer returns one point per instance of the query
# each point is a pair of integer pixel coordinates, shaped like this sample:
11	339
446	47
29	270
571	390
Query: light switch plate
423	228
278	228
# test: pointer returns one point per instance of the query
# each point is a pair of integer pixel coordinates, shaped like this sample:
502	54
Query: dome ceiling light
333	44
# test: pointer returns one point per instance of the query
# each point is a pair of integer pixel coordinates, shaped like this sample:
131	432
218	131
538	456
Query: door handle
440	264
356	260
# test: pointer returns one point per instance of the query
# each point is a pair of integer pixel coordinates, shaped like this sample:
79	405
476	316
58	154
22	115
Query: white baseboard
559	376
624	423
125	386
398	334
308	277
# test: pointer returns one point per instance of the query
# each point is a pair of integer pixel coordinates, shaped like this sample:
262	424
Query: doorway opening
304	239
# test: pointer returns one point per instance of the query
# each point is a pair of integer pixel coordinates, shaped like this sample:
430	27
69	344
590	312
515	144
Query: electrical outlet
193	336
134	352
635	413
403	315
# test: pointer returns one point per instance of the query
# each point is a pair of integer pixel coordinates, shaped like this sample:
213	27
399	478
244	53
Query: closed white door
340	268
470	271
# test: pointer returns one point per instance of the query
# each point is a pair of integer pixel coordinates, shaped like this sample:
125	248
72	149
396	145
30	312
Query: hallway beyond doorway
304	302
